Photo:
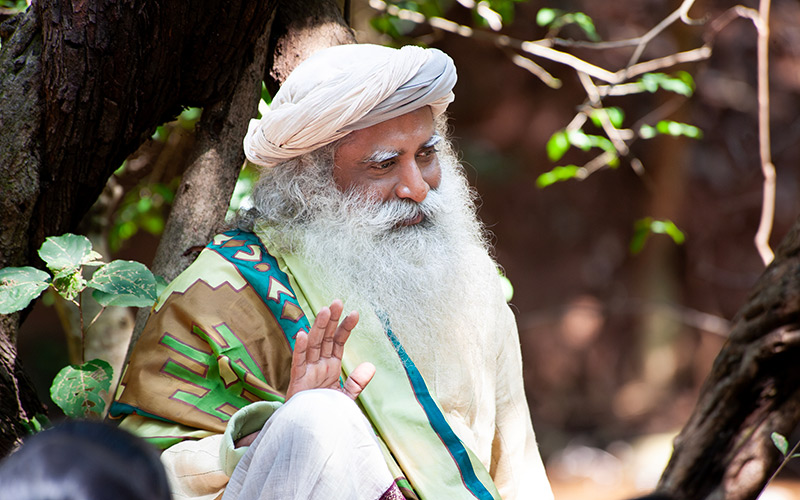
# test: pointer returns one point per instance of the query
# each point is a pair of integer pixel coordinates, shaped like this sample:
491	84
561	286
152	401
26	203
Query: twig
681	13
768	204
785	460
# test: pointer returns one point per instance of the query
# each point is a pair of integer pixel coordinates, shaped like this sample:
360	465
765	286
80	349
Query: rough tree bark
725	450
82	85
299	29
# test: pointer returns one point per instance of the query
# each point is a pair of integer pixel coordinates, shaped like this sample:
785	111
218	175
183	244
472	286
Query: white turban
345	88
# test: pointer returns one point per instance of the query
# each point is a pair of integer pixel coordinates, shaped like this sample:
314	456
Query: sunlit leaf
579	139
647	132
67	252
558	174
615	116
780	442
546	16
19	286
681	84
643	228
585	23
79	390
676	129
124	283
557	145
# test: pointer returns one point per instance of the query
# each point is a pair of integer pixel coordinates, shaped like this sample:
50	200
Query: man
363	200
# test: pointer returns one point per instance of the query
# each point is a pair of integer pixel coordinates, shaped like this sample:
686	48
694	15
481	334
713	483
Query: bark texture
725	450
301	28
81	85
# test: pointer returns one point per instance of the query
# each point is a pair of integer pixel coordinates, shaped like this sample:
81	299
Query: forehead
405	133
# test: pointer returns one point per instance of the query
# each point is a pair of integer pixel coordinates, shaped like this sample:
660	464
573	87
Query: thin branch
610	130
768	169
538	71
680	13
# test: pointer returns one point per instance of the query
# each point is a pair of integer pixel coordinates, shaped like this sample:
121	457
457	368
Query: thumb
358	379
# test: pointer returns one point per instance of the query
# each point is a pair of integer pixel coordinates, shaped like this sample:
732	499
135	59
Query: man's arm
517	466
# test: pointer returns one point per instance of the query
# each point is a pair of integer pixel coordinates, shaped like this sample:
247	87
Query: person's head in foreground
83	460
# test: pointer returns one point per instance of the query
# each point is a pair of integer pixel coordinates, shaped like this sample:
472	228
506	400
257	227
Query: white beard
429	279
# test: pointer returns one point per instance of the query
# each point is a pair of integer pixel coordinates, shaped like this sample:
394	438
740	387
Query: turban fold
345	88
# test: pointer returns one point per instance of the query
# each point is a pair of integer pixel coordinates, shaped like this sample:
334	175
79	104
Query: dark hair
84	460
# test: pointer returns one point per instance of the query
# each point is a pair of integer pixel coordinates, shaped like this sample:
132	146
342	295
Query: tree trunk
81	85
725	450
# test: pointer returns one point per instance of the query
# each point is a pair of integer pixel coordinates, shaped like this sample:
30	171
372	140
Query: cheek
433	175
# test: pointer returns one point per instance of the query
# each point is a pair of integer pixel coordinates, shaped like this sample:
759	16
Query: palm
317	357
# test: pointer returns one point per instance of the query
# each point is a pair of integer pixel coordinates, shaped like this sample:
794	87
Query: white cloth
345	88
318	445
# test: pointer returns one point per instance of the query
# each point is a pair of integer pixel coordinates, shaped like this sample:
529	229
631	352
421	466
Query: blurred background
618	329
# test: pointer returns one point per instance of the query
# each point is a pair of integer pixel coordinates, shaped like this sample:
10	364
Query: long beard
422	276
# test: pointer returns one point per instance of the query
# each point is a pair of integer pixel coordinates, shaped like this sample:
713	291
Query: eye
384	165
427	154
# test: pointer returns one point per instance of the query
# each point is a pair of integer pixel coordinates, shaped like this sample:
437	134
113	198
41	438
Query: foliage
78	389
643	228
555	19
142	208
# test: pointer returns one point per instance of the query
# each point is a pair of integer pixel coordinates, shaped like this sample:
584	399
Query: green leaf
780	442
67	252
677	129
69	283
579	139
682	83
647	132
585	23
643	228
558	174
79	390
546	16
615	116
19	286
124	283
507	287
557	145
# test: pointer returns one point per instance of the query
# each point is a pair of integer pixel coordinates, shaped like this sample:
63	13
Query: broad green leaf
79	389
69	283
67	252
19	286
557	145
780	442
643	228
124	283
561	173
615	116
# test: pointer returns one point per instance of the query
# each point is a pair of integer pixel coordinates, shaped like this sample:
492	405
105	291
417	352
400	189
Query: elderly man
362	204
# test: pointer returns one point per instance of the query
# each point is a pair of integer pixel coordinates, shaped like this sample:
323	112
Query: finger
299	356
327	339
343	333
316	334
358	379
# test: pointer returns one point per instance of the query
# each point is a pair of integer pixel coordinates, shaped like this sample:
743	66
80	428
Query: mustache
391	214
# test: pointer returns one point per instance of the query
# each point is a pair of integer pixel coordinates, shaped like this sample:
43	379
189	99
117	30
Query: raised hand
317	357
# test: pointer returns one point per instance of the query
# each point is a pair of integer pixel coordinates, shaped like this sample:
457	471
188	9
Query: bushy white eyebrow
383	155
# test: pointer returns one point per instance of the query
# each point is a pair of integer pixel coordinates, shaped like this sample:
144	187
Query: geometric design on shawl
261	271
228	377
291	312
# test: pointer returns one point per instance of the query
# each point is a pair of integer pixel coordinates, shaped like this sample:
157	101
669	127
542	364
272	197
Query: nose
412	185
